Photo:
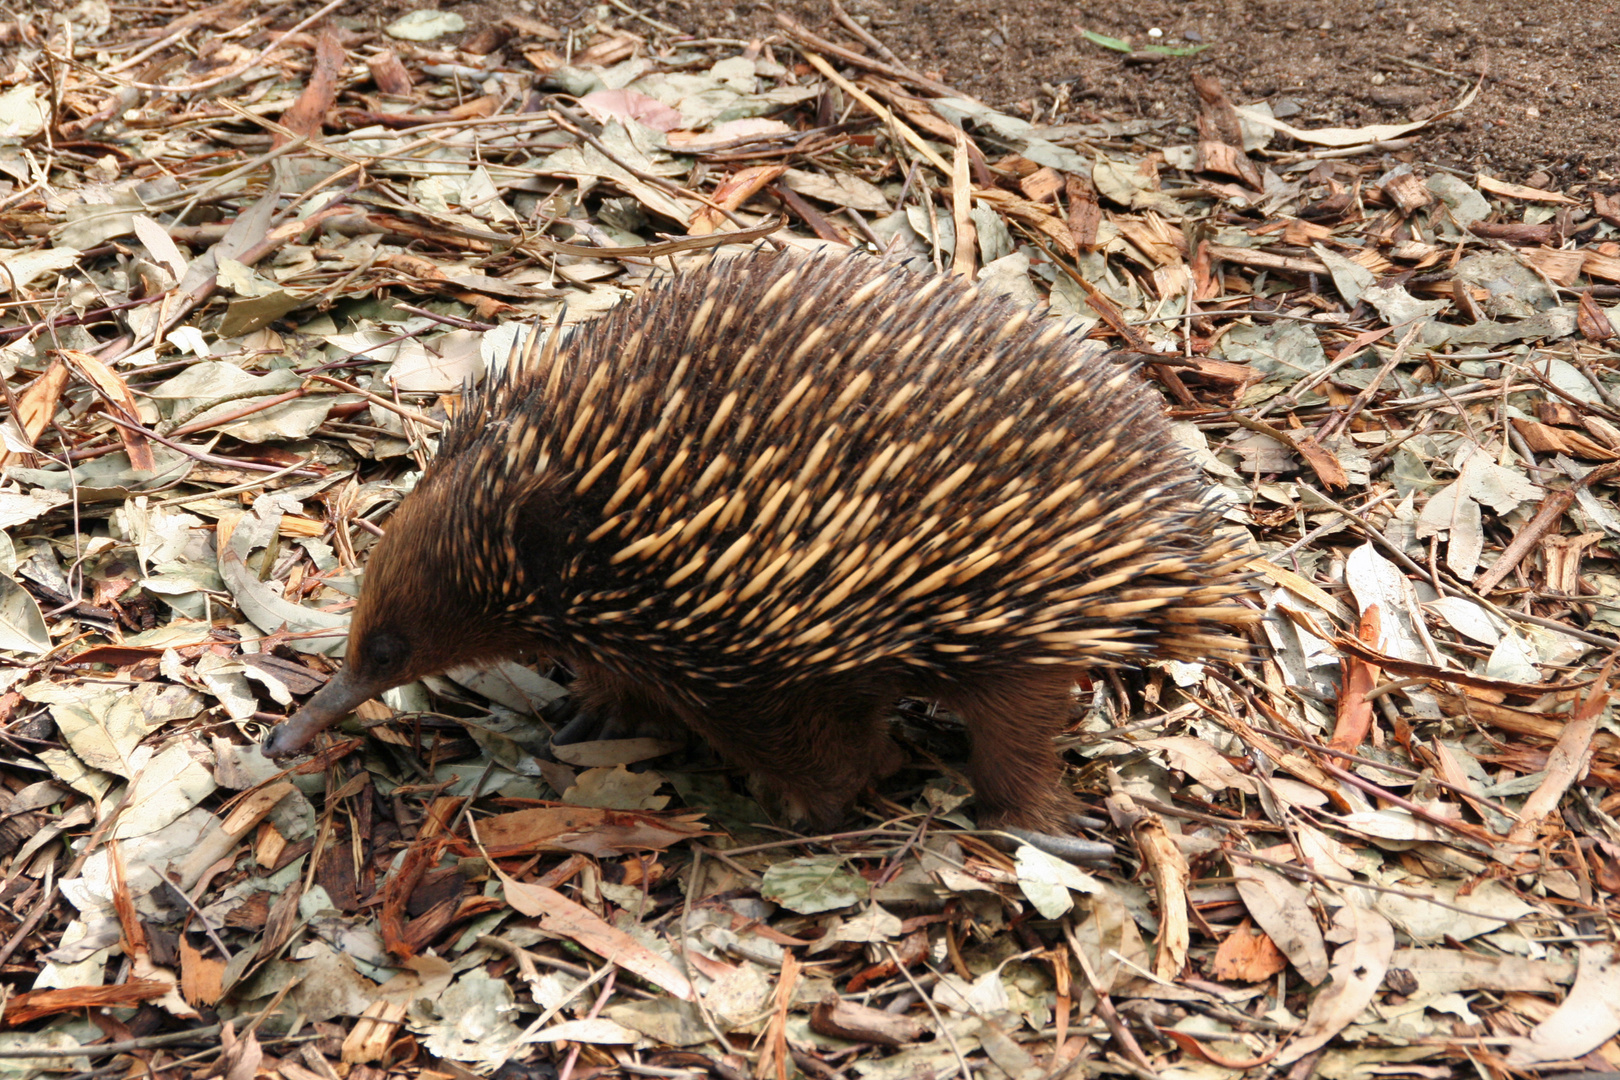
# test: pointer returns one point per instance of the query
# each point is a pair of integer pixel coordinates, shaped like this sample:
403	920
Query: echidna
769	497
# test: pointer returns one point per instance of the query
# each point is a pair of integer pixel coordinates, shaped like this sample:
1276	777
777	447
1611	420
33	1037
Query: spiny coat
769	496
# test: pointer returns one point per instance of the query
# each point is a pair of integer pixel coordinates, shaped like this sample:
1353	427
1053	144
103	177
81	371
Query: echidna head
431	600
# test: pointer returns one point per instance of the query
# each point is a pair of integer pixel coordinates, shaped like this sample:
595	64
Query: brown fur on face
416	616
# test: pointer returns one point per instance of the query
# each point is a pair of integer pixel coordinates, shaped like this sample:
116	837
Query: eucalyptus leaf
1117	44
266	608
22	624
809	885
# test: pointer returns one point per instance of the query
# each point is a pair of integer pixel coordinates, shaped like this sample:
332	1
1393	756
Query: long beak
339	697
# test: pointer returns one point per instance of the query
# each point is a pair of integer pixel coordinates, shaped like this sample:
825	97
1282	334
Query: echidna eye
385	653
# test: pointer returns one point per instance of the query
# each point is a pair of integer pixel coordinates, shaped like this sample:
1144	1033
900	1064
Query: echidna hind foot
1016	771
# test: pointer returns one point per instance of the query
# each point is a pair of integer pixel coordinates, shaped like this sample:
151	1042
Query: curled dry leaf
1587	1018
1358	968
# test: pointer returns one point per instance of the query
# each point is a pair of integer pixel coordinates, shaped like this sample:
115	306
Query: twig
1363	399
447	320
662	27
673	190
877	109
1548	515
207	458
1301	873
246	410
236	489
26	926
596	1010
800	33
378	400
191	88
127	1046
872	42
939	1023
1405	560
9	332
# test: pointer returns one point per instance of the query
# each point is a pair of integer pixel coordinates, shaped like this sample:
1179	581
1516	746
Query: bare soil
1550	101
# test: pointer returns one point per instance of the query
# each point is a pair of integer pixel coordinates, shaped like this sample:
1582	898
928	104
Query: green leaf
1124	46
1117	44
812	885
1174	50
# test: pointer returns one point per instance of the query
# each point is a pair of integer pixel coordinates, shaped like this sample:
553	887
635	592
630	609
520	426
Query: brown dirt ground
1550	103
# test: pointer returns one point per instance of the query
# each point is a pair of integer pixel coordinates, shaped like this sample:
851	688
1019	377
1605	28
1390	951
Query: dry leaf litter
250	257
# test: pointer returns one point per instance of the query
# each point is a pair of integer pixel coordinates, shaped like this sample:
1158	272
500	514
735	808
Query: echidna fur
767	497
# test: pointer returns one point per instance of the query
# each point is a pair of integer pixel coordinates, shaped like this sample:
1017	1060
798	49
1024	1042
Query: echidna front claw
585	725
1068	848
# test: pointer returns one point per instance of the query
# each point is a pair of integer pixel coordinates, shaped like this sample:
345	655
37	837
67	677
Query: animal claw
1068	848
586	725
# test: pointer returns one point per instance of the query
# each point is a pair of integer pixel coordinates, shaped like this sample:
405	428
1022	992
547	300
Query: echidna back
777	466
